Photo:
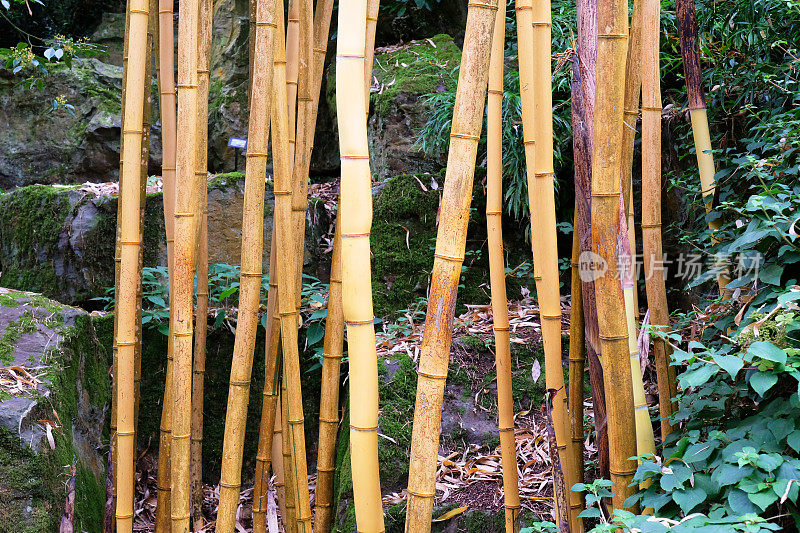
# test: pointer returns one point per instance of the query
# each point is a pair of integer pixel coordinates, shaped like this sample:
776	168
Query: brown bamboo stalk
606	171
651	209
290	503
329	391
201	314
251	270
543	219
633	82
448	258
130	242
277	458
272	370
693	72
355	200
583	89
186	214
494	229
166	91
577	361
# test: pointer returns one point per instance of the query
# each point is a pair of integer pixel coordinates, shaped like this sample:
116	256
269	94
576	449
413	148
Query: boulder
54	422
39	144
59	240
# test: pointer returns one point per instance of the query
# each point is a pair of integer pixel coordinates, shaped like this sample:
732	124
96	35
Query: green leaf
763	499
688	499
740	504
315	333
698	376
771	274
699	451
762	382
769	462
591	512
729	474
793	440
767	350
730	363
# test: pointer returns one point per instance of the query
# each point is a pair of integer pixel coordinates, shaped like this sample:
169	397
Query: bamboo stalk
186	214
292	68
651	210
329	390
494	228
606	171
355	200
272	368
448	259
577	361
693	72
645	442
277	459
290	503
633	82
583	89
251	271
296	472
130	242
201	314
536	98
373	7
166	92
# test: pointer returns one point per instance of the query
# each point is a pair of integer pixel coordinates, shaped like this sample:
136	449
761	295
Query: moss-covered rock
74	396
42	145
60	240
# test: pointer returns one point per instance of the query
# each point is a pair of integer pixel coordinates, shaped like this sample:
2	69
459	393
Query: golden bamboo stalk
373	7
201	314
536	98
612	21
251	270
272	368
448	258
577	361
166	92
329	391
651	209
633	82
186	214
296	473
292	67
290	499
355	200
130	242
277	459
494	229
693	72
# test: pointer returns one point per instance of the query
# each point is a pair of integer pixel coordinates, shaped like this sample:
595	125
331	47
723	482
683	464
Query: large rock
59	345
60	240
42	145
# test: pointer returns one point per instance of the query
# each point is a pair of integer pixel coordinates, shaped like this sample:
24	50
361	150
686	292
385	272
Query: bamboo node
550	317
517	507
139	11
544	174
483	5
282	193
186	85
452	259
432	376
354	235
182	333
420	494
646	226
182	215
304	99
321	50
614	337
605	194
350	56
518	7
354	156
365	430
612	36
297	422
329	356
526	142
123	516
125	433
502	328
251	274
466	136
541	24
329	420
131	343
506	429
622	472
495	91
239	383
493	213
268	24
229	485
652	108
360	322
138	132
256	154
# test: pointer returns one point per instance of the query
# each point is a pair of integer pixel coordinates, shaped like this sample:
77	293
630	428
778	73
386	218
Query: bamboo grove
615	59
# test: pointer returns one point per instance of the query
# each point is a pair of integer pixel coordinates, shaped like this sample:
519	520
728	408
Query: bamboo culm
494	214
541	194
448	259
612	21
166	92
186	214
577	362
201	313
251	269
129	239
651	211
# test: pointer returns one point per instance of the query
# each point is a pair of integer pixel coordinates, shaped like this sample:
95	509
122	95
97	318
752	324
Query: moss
225	180
26	504
14	330
416	69
27	239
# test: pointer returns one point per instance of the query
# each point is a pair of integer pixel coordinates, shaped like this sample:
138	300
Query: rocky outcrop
55	423
41	145
60	240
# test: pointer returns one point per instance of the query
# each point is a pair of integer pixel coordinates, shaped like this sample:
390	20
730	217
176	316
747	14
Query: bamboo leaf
451	513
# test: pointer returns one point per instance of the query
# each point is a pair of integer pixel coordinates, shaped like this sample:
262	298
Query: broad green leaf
740	504
767	350
688	499
698	376
794	440
699	451
728	474
764	498
769	462
762	382
771	274
730	363
591	512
